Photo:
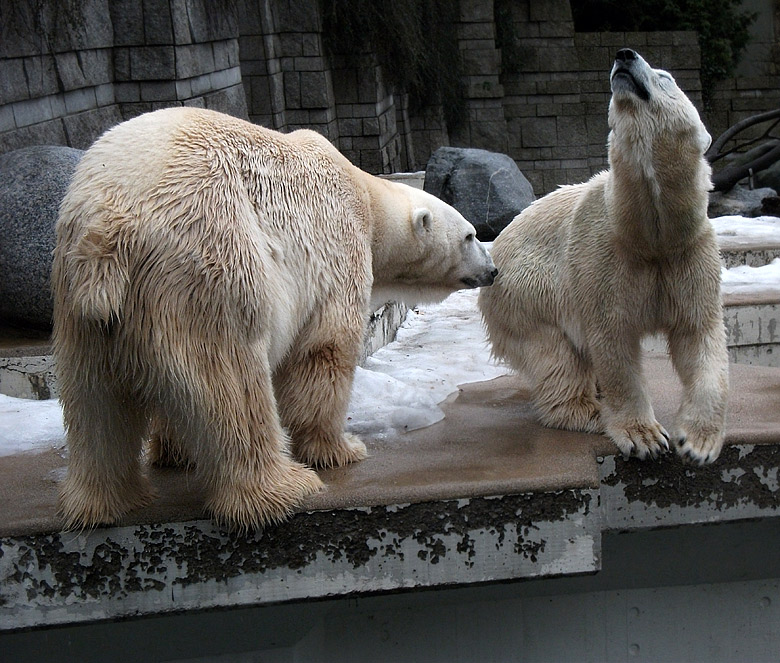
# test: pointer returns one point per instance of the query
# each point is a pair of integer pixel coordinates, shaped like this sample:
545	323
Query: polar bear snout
485	279
626	55
485	274
480	270
629	74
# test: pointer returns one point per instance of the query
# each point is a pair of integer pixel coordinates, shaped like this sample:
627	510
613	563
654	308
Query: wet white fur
588	270
211	281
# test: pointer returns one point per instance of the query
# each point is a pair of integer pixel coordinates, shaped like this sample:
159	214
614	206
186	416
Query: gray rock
485	187
33	181
738	201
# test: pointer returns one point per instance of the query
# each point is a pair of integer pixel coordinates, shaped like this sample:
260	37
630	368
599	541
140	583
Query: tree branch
729	176
713	153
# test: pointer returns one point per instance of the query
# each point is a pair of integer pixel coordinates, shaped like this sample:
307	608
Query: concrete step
752	330
752	257
27	365
743	241
483	496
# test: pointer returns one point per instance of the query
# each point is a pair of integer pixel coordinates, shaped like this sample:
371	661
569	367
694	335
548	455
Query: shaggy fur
588	270
214	277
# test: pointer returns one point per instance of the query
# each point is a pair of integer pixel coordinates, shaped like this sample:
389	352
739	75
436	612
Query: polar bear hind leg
106	430
166	449
564	385
561	376
313	387
231	430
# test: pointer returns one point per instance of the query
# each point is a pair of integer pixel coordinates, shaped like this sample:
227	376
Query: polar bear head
646	103
424	249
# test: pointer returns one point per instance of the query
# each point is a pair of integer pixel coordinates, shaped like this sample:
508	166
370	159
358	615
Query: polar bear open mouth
623	79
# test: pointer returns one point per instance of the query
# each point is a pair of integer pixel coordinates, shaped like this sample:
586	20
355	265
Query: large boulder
33	181
485	187
739	201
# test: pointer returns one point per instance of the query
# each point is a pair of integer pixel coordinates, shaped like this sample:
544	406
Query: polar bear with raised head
212	281
588	270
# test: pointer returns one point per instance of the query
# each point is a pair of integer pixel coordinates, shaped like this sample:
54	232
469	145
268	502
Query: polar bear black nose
625	55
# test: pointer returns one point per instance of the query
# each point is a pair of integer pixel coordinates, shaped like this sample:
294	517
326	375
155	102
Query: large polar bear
588	270
213	277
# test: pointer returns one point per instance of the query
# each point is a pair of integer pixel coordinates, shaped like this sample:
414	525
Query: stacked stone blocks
368	128
265	60
53	93
67	78
175	53
292	82
485	124
556	100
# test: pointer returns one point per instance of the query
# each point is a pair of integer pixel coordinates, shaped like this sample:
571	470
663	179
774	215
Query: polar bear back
173	204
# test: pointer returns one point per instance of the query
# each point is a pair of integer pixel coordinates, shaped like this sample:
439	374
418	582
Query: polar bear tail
100	290
93	270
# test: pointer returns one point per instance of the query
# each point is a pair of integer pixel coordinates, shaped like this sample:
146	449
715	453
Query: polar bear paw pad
698	447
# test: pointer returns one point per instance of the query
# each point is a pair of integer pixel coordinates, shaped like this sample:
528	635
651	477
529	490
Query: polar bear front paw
640	439
328	452
698	444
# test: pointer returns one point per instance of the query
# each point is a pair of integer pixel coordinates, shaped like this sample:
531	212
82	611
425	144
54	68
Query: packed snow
761	231
745	279
402	385
437	348
742	230
27	425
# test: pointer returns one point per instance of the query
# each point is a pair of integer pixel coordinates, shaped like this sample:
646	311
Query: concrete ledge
752	328
147	569
27	367
742	485
484	495
735	252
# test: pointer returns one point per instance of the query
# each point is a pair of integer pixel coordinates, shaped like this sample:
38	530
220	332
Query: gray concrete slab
486	494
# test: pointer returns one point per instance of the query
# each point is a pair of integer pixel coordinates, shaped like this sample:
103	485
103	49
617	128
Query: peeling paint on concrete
768	477
112	572
752	324
742	483
69	578
28	377
757	257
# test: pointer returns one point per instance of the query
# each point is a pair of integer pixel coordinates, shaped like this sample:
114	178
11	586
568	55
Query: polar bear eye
470	237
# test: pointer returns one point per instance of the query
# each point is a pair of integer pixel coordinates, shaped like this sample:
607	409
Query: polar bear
588	270
214	277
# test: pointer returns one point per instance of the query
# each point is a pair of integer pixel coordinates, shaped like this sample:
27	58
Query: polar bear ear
705	140
421	219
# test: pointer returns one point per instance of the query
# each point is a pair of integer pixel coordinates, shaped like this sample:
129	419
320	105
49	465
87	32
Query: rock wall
556	95
73	68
